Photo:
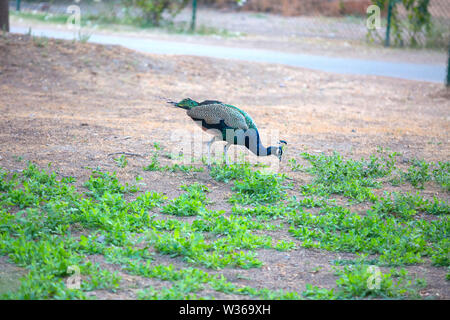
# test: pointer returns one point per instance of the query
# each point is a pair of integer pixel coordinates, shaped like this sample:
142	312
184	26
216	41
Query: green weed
418	173
122	161
259	188
39	212
360	280
353	179
441	174
396	241
190	203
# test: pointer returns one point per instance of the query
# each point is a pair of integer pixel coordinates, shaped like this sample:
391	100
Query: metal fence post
194	14
388	27
447	82
17	5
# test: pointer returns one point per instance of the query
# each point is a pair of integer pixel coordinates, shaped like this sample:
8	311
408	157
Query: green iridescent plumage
228	123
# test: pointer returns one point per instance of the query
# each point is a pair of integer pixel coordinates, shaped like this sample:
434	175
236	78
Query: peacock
228	123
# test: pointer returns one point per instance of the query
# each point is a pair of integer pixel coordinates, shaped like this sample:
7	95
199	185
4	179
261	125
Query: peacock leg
225	149
209	143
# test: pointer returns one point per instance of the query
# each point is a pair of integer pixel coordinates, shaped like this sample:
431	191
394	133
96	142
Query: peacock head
187	103
281	145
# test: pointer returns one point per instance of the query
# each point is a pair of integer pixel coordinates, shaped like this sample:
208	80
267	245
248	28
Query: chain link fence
411	28
334	19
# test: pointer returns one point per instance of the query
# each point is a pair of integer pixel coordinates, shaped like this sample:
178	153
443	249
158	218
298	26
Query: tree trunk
4	15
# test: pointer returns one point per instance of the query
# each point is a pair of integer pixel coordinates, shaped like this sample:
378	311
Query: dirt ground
72	104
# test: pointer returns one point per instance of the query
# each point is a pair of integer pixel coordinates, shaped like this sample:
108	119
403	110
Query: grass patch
107	20
47	226
351	178
190	203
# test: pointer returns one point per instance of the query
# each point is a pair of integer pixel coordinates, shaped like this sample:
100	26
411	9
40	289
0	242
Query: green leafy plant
101	182
153	10
360	280
294	165
190	203
48	224
334	175
396	242
418	173
122	161
441	174
259	187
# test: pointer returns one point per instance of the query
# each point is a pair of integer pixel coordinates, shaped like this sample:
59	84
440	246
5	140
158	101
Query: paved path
410	71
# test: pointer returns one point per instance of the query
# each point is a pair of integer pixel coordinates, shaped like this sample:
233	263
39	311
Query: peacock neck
264	151
252	141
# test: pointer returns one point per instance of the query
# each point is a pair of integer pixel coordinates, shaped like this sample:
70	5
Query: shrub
152	10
